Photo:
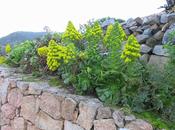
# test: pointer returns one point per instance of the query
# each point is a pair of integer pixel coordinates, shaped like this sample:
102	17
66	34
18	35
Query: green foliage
8	48
131	50
59	54
2	59
18	52
156	121
71	34
54	81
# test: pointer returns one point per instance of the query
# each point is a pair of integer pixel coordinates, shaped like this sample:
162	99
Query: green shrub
18	52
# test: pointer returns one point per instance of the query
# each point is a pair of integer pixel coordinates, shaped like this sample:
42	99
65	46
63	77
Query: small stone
4	91
166	38
138	20
35	88
15	97
142	38
6	127
139	125
152	19
12	83
159	35
139	30
130	118
118	117
104	124
158	61
23	86
145	27
51	105
164	18
19	124
127	31
108	22
145	58
104	113
45	122
148	32
32	127
87	114
70	126
151	42
130	22
133	28
165	27
68	109
3	120
8	111
28	108
160	51
145	49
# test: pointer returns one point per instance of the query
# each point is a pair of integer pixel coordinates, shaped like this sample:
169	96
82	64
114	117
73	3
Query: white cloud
33	15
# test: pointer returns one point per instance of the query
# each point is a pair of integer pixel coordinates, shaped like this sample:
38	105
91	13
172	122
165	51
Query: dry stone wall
152	33
37	106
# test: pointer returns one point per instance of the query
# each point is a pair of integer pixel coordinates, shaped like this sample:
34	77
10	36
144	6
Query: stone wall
37	106
152	33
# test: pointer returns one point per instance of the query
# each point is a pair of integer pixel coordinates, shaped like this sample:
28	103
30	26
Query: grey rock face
142	38
145	48
160	51
108	22
164	18
152	19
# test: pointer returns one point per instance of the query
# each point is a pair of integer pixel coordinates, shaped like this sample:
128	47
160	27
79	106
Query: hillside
17	37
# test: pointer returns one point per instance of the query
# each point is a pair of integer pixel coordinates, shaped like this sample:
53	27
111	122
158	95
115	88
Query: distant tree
47	29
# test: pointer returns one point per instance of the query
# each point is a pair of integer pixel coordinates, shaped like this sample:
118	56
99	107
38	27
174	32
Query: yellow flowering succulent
131	50
71	34
115	35
2	59
59	54
42	51
94	34
8	48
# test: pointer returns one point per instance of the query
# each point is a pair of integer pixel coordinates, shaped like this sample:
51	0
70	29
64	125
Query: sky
33	15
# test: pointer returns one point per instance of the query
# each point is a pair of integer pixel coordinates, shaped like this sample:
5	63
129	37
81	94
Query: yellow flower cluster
122	33
94	34
42	51
131	50
106	39
59	54
115	35
82	55
8	48
2	59
71	34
